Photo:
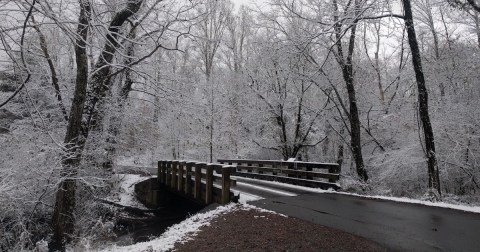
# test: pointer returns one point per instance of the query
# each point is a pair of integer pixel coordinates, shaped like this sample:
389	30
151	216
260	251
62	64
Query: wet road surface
398	226
395	225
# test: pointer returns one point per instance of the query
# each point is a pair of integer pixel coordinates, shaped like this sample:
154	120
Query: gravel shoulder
254	230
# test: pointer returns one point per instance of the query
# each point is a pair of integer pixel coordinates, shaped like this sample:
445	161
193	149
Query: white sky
252	3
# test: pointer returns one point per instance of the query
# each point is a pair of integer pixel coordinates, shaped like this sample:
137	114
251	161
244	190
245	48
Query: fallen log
130	209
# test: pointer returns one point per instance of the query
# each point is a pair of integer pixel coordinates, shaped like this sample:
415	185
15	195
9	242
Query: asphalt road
395	225
398	226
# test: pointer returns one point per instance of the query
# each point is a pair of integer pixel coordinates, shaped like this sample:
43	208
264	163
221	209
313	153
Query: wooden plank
226	171
159	172
181	170
168	177
174	174
290	180
334	170
209	184
290	173
198	180
188	178
275	163
164	172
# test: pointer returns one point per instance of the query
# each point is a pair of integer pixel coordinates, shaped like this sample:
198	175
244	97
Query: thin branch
22	54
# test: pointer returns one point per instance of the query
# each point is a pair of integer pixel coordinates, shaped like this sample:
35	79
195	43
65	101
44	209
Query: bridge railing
196	180
320	175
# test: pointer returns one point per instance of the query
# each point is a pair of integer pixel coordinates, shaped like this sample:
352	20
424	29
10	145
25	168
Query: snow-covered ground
124	193
183	231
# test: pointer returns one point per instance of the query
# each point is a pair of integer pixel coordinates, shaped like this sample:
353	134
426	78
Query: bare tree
433	173
63	218
212	28
346	64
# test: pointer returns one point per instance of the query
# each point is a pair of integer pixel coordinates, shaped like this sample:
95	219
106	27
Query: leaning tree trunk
433	173
63	217
100	82
84	105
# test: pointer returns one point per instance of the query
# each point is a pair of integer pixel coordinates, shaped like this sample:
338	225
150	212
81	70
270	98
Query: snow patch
261	210
246	197
125	194
186	230
181	232
473	209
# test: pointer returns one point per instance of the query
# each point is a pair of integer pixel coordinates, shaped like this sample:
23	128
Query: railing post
168	178
209	184
198	181
290	166
159	172
174	174
181	166
258	170
333	169
226	171
188	180
164	172
308	169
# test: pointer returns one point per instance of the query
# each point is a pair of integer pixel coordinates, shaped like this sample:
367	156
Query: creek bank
165	210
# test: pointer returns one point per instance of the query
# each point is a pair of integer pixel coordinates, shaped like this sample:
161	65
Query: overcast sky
247	2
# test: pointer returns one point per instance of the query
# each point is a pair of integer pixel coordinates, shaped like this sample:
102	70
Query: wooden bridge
207	183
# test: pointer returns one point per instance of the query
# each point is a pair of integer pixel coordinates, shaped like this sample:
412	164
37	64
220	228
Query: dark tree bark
433	173
346	64
84	106
100	82
63	218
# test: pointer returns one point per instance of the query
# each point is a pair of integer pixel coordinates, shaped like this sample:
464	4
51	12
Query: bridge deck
399	226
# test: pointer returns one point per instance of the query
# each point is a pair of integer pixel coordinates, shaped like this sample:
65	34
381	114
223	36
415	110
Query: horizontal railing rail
321	175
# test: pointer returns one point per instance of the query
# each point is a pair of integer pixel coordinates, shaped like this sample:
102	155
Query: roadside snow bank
473	209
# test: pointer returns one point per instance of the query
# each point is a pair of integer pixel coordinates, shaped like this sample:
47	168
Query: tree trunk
100	82
63	217
433	173
347	71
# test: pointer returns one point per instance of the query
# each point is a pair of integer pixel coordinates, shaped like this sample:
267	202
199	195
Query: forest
388	89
